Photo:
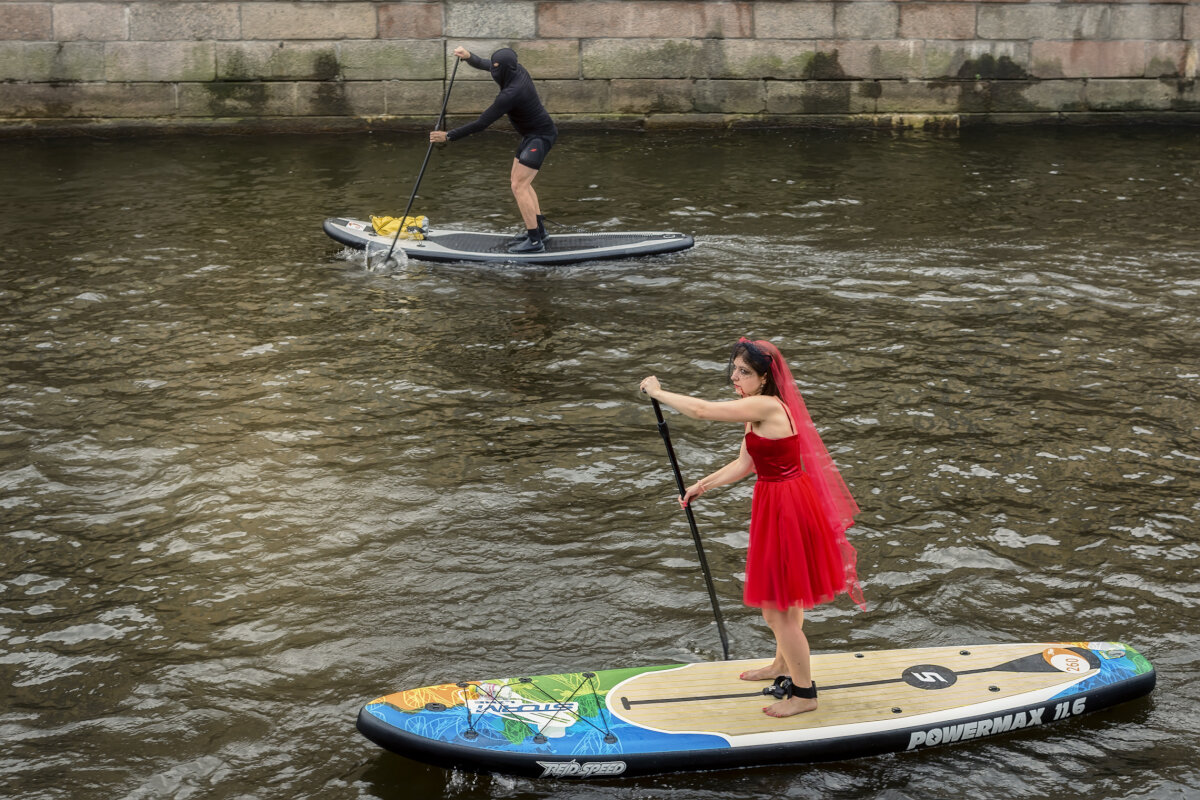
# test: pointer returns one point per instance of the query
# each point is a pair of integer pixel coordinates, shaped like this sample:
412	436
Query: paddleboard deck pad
647	720
449	246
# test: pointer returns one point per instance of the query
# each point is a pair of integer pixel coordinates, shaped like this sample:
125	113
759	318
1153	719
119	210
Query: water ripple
249	484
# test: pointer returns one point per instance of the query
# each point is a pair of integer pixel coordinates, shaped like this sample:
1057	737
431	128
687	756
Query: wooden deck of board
853	688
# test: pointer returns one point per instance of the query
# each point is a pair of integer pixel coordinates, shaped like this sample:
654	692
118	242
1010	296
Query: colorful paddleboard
448	245
639	721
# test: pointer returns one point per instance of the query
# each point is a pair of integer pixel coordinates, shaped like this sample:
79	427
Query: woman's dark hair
758	360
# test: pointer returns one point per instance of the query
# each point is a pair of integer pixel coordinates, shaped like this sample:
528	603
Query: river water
249	484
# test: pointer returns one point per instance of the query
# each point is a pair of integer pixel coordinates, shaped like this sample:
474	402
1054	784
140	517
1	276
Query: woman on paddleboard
519	100
799	556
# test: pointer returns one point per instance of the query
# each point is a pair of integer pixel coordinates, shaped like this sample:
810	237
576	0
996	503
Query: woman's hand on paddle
650	385
691	493
438	136
462	52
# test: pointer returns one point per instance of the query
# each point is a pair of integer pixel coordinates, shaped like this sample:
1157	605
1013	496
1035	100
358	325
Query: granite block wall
117	64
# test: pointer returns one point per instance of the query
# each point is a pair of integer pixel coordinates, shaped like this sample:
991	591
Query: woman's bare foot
767	673
791	706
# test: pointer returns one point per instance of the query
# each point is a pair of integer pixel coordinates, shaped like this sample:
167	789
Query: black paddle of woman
712	594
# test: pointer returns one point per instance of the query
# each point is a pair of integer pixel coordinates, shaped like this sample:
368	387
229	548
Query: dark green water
248	485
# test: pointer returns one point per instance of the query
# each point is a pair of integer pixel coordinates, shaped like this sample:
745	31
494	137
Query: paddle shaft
712	594
425	163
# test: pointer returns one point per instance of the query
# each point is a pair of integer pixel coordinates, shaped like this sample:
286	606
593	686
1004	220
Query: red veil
836	504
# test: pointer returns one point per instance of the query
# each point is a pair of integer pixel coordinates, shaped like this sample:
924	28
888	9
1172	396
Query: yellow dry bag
414	227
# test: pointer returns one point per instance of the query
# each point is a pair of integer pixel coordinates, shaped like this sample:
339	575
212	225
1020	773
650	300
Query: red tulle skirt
795	558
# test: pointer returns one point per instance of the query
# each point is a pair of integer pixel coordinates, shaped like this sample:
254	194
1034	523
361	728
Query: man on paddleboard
519	100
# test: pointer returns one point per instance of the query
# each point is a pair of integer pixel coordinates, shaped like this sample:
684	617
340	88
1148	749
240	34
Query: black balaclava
507	59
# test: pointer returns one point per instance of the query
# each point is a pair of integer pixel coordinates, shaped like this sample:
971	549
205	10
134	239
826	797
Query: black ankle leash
783	688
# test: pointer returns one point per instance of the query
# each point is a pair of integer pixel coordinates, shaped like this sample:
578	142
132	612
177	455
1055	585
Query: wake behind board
450	245
646	720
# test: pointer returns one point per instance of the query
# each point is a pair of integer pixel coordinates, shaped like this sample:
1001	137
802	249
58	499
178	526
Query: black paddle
425	163
712	594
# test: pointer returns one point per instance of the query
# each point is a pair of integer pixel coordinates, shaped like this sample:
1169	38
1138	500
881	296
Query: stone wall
352	63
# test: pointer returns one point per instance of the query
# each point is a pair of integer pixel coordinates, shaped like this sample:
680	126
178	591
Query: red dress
796	557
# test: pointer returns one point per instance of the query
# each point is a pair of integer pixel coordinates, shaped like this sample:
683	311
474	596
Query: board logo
930	676
963	731
573	769
1109	650
516	710
1067	661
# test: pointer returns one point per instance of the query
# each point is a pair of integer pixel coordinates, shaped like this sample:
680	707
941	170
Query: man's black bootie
531	244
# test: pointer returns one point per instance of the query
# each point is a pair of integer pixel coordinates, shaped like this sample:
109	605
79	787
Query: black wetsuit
519	100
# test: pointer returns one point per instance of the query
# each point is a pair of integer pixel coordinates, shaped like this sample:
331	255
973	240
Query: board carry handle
708	581
428	150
